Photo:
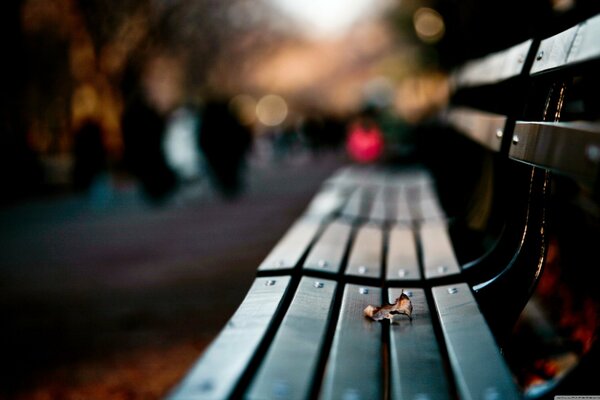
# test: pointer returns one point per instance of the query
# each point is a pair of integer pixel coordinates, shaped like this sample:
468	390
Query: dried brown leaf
402	305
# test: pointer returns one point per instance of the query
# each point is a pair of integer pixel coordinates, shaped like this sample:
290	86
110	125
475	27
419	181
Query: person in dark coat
143	130
225	143
89	155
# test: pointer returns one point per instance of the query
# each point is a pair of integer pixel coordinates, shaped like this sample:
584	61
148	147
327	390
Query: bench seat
307	335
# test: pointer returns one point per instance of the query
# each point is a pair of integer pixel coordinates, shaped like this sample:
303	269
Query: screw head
318	285
442	269
281	263
402	272
540	55
515	140
499	133
363	290
362	270
409	293
452	290
322	263
270	282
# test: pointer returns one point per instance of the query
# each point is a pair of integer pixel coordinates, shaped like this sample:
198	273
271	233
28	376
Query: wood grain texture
416	366
327	253
354	368
402	261
479	368
294	244
366	253
290	364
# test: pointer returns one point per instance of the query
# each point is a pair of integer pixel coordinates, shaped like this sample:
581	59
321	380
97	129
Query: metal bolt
521	58
540	55
515	140
281	263
270	282
452	290
362	270
318	285
499	133
322	263
363	290
442	269
409	293
402	273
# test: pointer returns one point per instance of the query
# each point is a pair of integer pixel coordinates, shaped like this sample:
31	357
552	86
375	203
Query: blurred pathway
117	300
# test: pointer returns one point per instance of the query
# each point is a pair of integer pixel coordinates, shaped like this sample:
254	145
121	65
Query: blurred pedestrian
225	143
143	131
89	155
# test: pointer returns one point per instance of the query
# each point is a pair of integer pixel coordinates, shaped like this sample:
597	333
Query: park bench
464	236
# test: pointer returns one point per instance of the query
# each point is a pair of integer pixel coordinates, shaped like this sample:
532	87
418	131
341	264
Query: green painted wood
327	253
479	369
355	367
402	261
366	253
416	365
290	364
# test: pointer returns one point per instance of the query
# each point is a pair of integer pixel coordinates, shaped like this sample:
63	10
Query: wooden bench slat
289	366
577	44
567	147
484	128
553	51
290	249
355	369
327	253
427	205
417	368
366	253
358	206
328	201
410	177
218	371
431	209
342	176
479	369
586	45
402	261
493	68
438	254
401	208
380	209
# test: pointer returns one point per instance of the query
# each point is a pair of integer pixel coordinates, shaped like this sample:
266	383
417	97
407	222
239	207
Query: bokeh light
429	25
271	110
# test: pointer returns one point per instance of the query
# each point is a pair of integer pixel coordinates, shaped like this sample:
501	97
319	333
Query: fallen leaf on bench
402	305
